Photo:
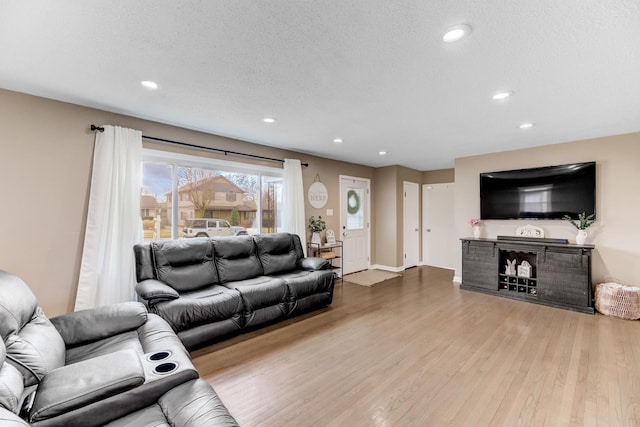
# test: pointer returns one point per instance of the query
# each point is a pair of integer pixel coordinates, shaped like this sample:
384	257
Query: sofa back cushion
277	252
185	264
33	345
236	258
11	384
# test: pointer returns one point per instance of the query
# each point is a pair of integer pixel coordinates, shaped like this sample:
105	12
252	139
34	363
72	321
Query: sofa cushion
261	291
17	305
185	265
9	419
33	344
236	258
11	384
36	350
69	387
277	252
304	283
207	305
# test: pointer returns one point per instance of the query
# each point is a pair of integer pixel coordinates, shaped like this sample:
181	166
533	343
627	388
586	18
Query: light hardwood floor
418	351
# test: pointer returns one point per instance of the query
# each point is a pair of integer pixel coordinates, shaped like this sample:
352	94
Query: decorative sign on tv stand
529	231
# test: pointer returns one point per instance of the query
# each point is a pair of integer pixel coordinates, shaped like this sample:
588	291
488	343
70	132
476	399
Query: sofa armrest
97	323
195	400
314	263
155	291
80	384
9	419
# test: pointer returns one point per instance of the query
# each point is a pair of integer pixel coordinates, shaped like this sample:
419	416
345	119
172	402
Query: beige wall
439	176
615	234
388	213
45	171
386	216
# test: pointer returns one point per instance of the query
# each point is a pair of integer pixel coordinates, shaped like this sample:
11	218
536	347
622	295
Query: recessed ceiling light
382	153
269	120
149	84
456	33
337	140
526	125
503	94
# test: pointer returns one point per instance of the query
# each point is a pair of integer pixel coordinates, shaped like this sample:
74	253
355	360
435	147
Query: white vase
581	237
315	238
476	231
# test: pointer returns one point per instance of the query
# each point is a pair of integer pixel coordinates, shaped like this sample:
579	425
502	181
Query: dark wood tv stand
560	274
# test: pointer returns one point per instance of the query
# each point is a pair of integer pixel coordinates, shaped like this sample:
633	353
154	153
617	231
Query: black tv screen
539	193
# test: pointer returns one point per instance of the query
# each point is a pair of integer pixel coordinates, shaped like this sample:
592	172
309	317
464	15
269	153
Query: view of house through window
184	201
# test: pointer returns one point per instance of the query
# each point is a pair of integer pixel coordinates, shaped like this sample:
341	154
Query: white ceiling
374	72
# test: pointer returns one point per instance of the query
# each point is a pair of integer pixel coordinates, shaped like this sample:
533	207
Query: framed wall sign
317	194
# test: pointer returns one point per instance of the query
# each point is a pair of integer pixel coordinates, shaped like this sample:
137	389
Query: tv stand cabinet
560	274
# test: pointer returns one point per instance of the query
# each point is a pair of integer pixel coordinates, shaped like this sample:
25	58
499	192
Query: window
179	189
355	213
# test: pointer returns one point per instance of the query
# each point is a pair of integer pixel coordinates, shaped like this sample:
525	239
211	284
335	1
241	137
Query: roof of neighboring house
148	202
217	184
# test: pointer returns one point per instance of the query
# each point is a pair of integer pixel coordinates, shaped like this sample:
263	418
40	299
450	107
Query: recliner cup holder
165	368
159	355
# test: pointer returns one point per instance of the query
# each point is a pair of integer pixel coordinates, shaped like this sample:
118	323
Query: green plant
583	222
316	225
235	217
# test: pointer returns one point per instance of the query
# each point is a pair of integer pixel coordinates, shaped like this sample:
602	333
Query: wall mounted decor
318	194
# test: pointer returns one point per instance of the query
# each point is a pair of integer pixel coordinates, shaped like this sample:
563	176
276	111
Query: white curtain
107	272
294	220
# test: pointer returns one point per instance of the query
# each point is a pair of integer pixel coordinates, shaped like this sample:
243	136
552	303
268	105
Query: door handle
417	229
428	230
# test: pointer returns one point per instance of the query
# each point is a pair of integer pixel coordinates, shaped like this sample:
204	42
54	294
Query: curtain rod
218	150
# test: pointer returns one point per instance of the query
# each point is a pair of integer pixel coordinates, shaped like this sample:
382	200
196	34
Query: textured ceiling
373	72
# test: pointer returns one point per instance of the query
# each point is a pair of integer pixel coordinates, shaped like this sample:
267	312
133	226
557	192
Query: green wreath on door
353	202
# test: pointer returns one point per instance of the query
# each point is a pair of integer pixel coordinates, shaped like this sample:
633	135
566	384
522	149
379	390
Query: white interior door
439	239
354	223
411	220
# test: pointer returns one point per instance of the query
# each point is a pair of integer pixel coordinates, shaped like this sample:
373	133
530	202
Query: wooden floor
418	351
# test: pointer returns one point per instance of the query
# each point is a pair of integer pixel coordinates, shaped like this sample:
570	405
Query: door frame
368	220
415	189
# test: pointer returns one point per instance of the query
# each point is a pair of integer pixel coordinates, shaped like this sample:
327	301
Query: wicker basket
614	299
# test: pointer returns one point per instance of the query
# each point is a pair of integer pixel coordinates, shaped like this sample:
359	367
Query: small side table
331	252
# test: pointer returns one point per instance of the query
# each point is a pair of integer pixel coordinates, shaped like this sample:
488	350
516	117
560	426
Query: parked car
207	227
239	231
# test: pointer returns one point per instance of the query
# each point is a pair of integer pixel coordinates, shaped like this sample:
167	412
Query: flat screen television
539	193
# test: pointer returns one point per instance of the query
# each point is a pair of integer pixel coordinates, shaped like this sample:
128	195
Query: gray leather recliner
95	367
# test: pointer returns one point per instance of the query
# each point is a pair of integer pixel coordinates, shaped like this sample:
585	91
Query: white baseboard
457	279
386	268
436	266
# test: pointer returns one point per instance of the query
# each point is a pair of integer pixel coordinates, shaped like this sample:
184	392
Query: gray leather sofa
210	288
116	365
